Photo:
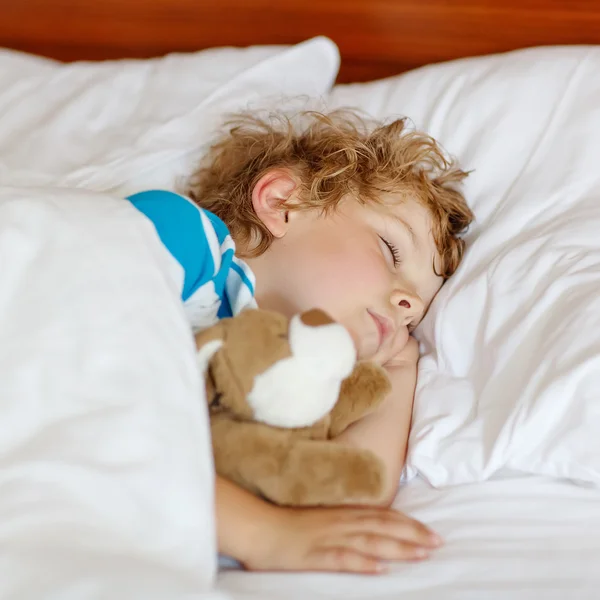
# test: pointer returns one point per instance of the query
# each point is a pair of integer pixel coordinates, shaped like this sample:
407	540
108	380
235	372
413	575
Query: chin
374	355
367	350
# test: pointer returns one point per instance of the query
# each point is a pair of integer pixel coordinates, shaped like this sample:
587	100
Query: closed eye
393	251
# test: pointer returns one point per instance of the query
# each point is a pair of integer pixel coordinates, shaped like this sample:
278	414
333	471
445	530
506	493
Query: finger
395	525
410	530
385	548
345	560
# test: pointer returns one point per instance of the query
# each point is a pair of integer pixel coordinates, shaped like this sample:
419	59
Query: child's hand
356	540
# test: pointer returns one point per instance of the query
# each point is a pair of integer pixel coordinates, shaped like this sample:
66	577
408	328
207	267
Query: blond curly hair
330	156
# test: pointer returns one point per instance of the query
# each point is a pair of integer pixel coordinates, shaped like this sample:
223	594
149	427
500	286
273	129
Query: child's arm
264	537
385	432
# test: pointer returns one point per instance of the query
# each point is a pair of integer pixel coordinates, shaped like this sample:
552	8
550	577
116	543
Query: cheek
431	287
343	282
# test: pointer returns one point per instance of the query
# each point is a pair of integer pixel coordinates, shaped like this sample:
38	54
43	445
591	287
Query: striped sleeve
180	227
216	283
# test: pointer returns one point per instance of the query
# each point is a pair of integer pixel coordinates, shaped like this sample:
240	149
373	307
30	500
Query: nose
409	306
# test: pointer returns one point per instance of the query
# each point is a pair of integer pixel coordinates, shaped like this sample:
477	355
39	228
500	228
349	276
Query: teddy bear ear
316	318
208	343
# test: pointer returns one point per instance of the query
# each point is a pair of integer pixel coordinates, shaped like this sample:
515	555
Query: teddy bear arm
248	453
360	394
322	473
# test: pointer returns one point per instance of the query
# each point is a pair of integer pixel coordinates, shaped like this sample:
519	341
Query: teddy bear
278	391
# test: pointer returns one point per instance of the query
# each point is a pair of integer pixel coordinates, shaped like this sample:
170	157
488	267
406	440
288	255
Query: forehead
406	211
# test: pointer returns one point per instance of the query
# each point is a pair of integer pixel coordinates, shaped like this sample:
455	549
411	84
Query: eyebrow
408	228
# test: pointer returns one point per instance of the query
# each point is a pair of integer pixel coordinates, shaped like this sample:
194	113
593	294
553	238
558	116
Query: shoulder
191	234
166	208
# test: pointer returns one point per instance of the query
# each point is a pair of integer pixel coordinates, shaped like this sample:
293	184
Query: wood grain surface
376	37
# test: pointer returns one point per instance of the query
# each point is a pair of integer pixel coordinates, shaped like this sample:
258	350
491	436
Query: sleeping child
361	220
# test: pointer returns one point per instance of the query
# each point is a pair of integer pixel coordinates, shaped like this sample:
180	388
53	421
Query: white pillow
511	371
106	481
128	125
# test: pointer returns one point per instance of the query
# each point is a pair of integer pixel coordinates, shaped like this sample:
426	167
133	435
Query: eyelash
393	251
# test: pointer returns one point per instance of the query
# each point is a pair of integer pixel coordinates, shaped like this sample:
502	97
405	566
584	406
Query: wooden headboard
376	37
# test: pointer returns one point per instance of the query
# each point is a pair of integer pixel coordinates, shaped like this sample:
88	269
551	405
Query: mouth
383	325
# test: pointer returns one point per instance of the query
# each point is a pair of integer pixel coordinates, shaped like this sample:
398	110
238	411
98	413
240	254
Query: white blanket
105	472
106	483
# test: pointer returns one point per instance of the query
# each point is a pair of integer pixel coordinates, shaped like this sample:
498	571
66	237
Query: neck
267	291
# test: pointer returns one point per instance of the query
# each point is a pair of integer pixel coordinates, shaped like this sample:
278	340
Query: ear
208	343
271	192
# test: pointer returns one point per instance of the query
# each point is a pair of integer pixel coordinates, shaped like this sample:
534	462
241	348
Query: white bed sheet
517	537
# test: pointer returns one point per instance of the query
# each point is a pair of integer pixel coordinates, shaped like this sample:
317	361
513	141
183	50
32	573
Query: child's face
371	268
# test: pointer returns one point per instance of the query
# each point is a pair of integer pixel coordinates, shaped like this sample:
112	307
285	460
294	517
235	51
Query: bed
504	458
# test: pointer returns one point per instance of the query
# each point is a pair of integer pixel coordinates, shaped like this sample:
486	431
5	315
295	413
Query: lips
384	326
